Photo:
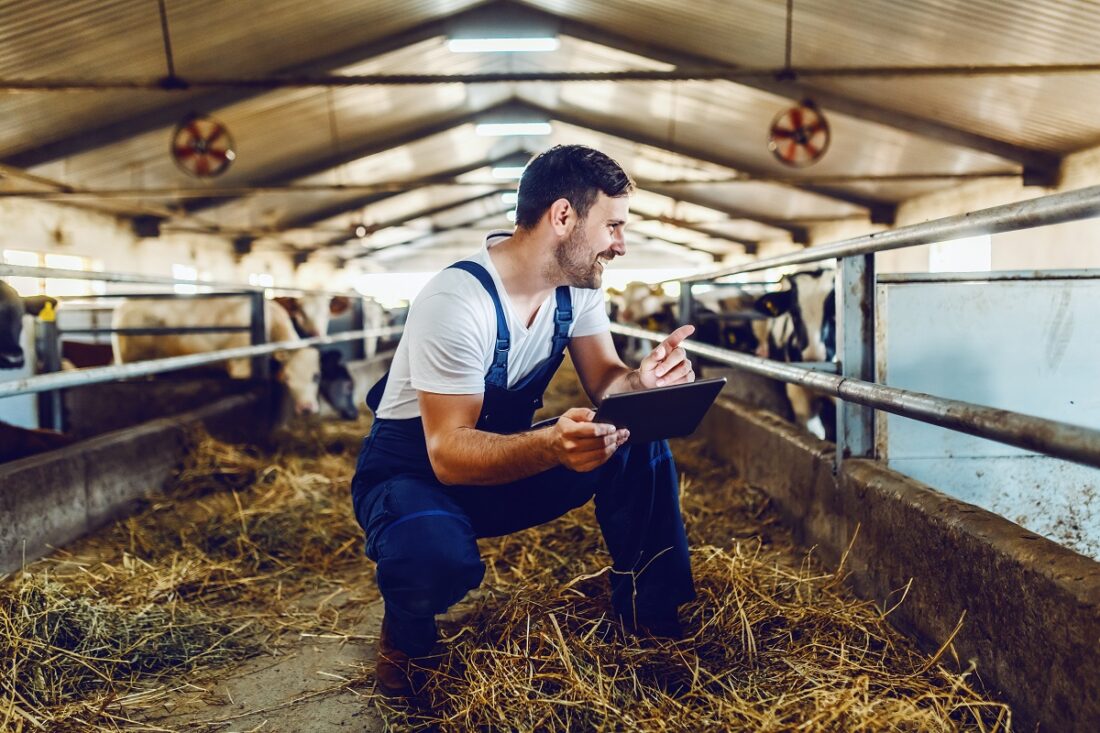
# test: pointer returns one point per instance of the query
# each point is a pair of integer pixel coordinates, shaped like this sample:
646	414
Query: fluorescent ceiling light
508	171
502	45
487	129
510	197
511	215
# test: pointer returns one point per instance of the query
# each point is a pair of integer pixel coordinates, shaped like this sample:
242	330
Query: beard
576	265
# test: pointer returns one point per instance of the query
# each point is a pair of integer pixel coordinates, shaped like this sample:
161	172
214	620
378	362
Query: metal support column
855	348
687	303
359	350
48	347
261	368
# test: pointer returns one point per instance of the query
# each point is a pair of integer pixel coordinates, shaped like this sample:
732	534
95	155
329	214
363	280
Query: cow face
12	308
803	316
301	373
11	328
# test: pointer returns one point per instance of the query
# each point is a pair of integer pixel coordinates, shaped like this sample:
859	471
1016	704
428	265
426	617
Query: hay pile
210	571
774	641
221	566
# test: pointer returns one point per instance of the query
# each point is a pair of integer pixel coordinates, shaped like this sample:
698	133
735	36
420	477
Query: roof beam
799	234
373	146
343	207
697	228
1038	165
413	216
882	212
464	224
170	114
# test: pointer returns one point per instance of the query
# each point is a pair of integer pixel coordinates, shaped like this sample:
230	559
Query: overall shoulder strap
563	318
498	371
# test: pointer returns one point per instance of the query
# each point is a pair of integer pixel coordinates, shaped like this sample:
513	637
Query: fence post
48	347
687	304
358	348
261	366
855	347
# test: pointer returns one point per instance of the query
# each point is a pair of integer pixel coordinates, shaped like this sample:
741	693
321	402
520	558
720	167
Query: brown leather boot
396	673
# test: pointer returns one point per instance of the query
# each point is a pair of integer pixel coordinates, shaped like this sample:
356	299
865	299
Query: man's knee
425	570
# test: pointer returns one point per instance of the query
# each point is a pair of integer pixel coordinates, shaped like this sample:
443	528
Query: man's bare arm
462	454
603	373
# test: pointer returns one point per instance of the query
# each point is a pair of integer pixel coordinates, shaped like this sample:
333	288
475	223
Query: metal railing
855	308
115	372
47	342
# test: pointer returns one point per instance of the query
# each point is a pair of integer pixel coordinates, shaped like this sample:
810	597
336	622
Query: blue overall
423	534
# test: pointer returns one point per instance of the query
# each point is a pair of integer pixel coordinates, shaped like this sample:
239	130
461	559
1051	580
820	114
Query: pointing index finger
677	337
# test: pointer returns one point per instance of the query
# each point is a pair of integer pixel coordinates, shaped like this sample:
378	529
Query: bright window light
973	254
490	129
185	272
510	197
25	286
261	279
511	215
502	45
512	172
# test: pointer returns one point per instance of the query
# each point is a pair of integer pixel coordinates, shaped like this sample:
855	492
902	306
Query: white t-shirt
450	335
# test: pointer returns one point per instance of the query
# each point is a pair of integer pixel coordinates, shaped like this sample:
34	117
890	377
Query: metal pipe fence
854	287
1062	440
115	372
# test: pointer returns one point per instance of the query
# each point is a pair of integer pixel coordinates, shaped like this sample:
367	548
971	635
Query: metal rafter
169	115
1039	165
373	146
412	216
882	212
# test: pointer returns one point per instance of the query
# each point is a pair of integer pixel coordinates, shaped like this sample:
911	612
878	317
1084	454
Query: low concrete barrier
52	498
1032	607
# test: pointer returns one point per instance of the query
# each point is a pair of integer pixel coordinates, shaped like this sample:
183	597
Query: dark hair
575	173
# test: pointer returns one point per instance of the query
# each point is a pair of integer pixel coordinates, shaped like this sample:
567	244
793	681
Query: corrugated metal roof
290	130
876	33
90	39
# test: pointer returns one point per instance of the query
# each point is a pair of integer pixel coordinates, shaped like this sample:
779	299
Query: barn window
52	285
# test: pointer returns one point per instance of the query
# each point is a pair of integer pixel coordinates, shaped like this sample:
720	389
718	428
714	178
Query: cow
299	370
12	309
803	328
18	442
722	318
314	316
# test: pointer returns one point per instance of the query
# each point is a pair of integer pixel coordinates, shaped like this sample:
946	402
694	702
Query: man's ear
561	211
775	304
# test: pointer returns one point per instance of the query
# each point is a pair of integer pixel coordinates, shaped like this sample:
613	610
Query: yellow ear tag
47	314
772	308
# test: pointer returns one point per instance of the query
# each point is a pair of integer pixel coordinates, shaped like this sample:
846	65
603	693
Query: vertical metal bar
261	368
687	304
358	348
48	346
855	339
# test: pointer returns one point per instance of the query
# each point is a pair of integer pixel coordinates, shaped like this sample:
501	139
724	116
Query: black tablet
661	412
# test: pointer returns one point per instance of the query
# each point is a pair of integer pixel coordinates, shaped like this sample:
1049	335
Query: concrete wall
1032	608
52	498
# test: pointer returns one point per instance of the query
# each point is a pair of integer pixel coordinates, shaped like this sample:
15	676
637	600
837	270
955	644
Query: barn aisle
239	600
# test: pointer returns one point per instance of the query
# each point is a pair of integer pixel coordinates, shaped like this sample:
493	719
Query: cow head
12	308
803	316
300	371
640	302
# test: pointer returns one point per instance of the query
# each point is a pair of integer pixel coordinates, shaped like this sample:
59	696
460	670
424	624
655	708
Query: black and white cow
17	442
12	309
803	328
